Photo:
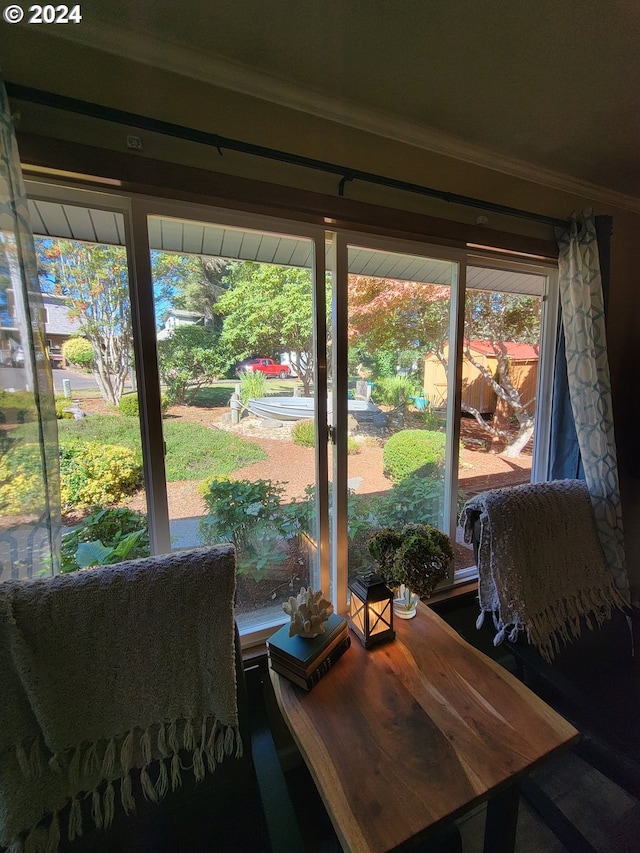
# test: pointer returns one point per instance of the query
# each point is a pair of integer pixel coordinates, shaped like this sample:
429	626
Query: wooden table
407	736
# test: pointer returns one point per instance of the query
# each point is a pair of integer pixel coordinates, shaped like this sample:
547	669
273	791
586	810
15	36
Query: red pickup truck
265	365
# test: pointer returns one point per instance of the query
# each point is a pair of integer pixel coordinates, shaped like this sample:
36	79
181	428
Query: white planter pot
404	607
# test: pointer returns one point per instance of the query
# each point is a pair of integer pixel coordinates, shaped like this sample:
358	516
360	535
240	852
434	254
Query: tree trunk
515	448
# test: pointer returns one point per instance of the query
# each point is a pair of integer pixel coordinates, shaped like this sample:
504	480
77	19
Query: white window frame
332	555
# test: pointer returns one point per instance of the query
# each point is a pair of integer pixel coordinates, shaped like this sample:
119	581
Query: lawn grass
193	451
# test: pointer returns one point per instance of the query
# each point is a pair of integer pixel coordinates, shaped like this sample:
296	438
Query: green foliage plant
94	474
78	352
21	477
417	555
412	450
394	390
415	499
252	386
128	405
303	433
432	421
189	359
61	404
91	554
107	535
248	514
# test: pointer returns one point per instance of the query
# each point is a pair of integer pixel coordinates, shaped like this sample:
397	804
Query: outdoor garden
252	483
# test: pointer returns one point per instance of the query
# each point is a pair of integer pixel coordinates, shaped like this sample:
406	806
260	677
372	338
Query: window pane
235	355
86	291
499	382
399	319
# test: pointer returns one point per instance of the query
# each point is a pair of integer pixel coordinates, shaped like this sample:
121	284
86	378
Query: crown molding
237	77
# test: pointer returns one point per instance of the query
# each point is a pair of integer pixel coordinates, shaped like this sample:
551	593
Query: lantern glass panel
379	616
358	613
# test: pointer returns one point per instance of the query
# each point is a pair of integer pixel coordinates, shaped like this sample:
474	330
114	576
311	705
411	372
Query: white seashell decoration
309	611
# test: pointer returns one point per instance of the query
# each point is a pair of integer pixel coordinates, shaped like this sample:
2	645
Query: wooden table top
404	737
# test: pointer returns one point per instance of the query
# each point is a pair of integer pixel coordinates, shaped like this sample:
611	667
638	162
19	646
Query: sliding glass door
395	456
281	387
237	319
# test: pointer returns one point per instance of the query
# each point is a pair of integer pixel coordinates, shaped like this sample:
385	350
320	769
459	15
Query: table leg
502	821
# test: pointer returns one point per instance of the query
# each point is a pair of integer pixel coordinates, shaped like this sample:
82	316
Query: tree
268	309
398	315
499	318
188	359
189	282
94	279
386	314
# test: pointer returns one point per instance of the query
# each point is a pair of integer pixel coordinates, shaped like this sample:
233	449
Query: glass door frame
332	546
548	342
455	256
146	350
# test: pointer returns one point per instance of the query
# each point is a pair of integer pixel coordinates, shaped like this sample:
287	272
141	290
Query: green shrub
415	499
252	385
128	405
187	360
21	481
303	433
79	352
249	514
63	403
391	391
93	474
412	450
432	420
111	528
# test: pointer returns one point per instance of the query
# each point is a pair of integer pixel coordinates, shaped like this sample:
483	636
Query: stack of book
305	660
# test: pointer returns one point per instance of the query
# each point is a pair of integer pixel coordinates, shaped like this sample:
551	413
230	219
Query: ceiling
550	84
77	222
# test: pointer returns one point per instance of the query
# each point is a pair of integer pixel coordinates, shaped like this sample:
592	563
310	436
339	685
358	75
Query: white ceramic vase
404	606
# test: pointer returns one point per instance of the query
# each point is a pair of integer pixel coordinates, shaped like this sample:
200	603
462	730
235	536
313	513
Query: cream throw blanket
108	670
540	564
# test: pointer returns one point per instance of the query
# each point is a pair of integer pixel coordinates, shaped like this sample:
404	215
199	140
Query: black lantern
371	610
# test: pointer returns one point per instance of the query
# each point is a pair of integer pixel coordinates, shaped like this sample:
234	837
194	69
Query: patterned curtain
589	383
30	521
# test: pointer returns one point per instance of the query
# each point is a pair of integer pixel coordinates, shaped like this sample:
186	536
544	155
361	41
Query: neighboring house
58	325
176	317
476	391
58	328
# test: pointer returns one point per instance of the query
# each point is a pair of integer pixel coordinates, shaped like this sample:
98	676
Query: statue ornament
309	611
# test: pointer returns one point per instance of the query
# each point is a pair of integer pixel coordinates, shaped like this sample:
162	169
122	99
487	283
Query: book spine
308	682
328	662
296	666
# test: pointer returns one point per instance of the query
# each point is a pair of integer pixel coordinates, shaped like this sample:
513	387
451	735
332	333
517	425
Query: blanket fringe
556	626
176	776
109	759
126	794
96	809
53	839
75	819
206	739
108	805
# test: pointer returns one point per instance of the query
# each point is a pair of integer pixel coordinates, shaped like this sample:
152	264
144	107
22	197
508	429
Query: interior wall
31	58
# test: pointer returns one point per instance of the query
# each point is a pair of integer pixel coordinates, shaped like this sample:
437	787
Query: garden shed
523	371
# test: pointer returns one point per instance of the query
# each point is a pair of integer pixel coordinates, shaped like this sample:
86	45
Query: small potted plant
414	559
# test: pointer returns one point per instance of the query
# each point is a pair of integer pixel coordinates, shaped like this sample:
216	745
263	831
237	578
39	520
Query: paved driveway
14	377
